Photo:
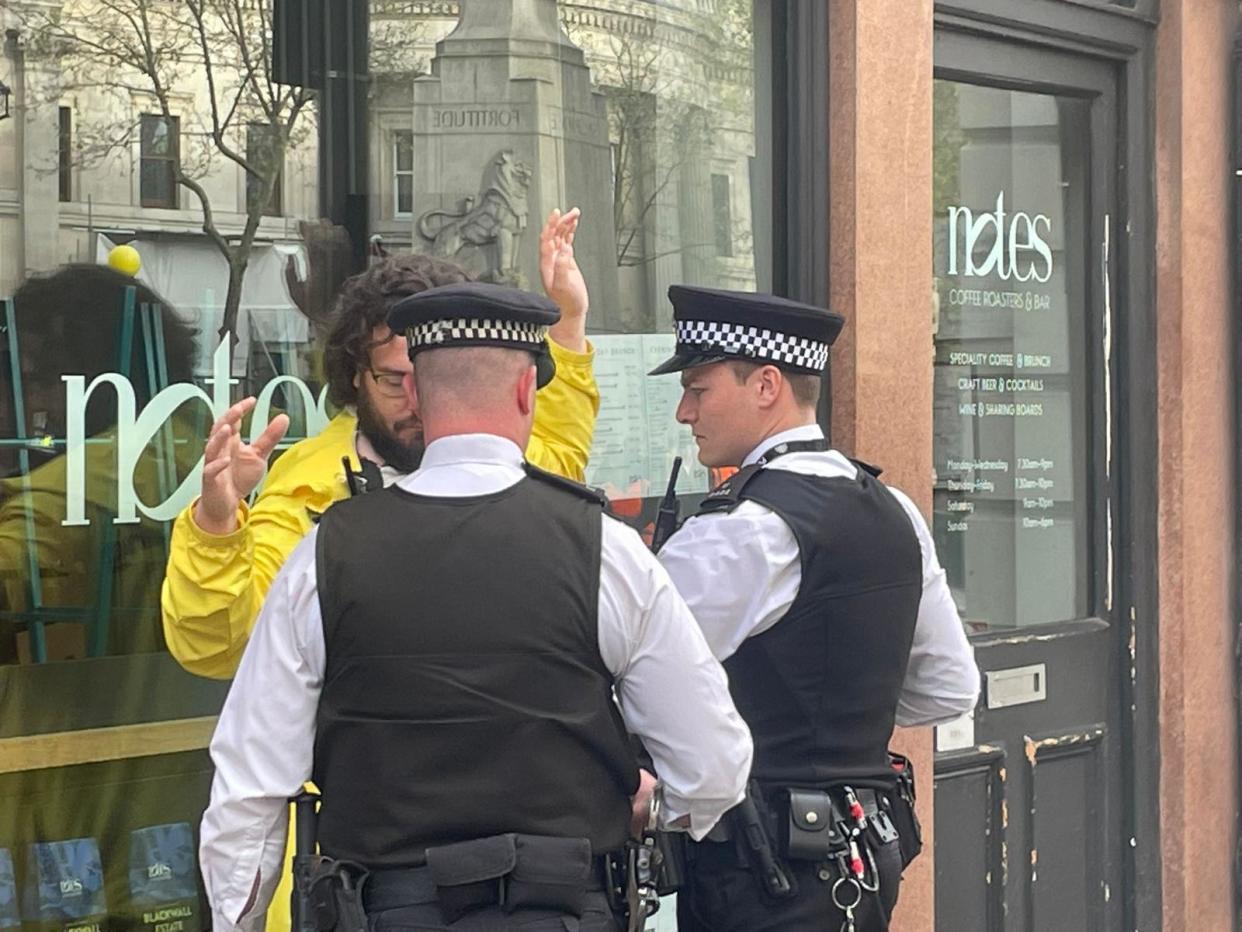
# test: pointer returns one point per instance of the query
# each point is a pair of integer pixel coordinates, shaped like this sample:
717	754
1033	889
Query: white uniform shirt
671	691
739	571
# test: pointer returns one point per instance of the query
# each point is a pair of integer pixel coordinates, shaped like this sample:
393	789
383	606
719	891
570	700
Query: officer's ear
769	382
528	384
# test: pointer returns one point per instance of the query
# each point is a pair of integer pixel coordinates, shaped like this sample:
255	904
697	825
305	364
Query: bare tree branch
206	66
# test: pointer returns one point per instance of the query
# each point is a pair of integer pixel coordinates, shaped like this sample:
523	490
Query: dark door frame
800	188
1125	39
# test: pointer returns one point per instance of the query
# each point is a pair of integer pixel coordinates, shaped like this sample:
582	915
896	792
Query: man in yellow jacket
223	554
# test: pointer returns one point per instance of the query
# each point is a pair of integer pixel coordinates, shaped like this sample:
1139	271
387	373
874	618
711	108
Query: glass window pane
405	194
404	147
110	377
1012	391
156	138
677	110
157	183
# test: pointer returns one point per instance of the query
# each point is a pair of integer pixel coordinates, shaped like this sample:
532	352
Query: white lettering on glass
1011	242
135	430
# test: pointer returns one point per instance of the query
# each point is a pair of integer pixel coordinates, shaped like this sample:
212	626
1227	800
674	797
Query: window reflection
89	587
482	116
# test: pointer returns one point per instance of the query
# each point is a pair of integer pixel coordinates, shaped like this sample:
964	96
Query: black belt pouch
334	895
811	826
550	873
470	875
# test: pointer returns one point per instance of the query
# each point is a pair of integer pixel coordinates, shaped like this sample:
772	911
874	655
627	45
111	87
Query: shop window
402	173
1012	388
161	156
265	153
109	383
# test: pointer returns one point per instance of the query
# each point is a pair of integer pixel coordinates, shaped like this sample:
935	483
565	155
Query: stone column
507	127
1195	385
880	255
509	19
32	132
40	184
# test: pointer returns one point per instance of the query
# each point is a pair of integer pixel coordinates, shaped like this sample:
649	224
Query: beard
400	455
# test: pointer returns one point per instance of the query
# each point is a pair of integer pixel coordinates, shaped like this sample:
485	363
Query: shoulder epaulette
590	493
726	495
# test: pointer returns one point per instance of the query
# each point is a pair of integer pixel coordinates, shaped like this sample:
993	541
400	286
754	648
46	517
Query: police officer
441	657
819	588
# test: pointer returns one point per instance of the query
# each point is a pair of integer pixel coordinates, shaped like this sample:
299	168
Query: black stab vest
464	695
819	688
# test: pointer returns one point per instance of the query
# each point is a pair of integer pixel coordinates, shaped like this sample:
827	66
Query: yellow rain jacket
215	584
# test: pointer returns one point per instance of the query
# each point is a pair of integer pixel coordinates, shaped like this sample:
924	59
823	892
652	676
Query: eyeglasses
389	384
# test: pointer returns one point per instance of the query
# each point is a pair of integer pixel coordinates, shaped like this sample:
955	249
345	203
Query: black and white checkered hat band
758	343
475	330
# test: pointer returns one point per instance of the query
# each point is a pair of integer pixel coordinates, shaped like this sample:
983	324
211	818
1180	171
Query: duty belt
414	886
724	831
839	829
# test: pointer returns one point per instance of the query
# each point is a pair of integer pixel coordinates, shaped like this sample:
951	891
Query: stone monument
507	127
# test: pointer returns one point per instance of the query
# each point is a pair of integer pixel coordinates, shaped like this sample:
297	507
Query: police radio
368	478
670	509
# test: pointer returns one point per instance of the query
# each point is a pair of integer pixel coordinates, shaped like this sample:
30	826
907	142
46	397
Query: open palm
562	279
233	469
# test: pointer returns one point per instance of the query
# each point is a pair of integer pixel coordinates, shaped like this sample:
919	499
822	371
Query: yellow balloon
125	259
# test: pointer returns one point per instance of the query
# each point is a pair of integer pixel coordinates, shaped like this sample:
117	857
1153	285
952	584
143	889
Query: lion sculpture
493	222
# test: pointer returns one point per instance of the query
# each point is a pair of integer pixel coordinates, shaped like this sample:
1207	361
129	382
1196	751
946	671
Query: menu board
637	434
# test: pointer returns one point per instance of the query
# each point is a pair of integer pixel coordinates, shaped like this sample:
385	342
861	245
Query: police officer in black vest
819	588
441	657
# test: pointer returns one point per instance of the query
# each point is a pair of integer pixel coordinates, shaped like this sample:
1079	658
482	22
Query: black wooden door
1028	798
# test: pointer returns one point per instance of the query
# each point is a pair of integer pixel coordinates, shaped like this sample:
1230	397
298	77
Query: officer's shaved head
471	380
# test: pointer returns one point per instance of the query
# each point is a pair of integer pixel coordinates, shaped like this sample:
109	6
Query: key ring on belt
837	899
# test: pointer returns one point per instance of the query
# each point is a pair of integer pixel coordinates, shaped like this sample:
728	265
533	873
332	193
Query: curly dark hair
363	305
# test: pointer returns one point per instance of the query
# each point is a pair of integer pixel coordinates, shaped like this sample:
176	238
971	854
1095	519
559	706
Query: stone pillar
880	255
32	134
40	206
509	120
1195	384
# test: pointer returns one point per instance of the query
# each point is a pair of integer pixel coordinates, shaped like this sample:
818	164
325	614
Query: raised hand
562	279
232	469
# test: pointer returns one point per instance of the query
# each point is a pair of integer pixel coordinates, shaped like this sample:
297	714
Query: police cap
478	314
713	325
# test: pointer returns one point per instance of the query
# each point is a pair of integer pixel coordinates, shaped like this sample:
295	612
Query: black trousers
721	896
426	917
